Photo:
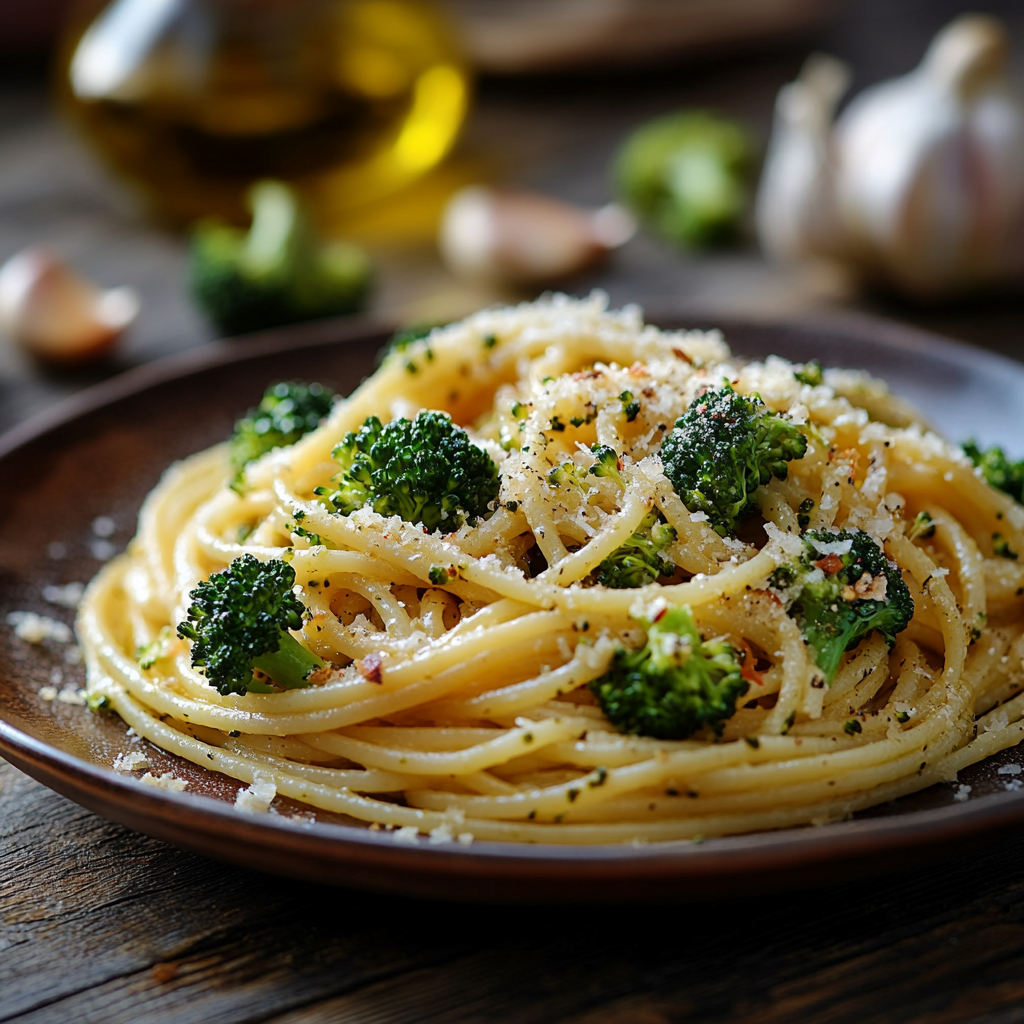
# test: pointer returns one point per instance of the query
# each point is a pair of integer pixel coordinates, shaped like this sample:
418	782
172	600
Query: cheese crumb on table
130	761
35	628
257	798
166	781
406	834
67	596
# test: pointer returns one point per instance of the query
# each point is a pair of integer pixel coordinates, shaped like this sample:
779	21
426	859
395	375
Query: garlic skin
918	185
55	314
503	237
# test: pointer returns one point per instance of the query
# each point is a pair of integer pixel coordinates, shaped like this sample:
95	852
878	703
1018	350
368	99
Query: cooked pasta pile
462	706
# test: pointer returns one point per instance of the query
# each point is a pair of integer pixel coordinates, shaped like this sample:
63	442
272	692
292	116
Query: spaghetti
459	704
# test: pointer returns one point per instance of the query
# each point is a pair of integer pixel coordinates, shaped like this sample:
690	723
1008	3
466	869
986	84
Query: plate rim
487	863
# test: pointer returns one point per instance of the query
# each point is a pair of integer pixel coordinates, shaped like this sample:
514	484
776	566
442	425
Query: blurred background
421	159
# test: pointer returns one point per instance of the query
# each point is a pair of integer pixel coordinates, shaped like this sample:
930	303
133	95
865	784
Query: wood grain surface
101	925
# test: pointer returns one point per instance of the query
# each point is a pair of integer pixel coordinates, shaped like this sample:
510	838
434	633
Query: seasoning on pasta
552	575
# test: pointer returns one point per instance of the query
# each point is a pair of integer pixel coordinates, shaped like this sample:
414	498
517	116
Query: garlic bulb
57	315
919	184
504	237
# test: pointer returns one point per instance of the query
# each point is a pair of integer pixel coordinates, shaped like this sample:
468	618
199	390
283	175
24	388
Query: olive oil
191	101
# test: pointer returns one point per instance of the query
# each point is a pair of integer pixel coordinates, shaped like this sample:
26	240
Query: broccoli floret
687	175
567	473
841	588
238	622
997	470
639	562
426	470
278	272
722	449
149	654
673	686
810	374
922	528
404	337
607	463
287	410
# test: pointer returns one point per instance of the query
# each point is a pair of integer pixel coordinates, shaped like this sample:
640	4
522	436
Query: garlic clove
967	55
499	236
795	210
57	315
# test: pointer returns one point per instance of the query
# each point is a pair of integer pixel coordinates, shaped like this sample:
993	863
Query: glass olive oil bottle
192	101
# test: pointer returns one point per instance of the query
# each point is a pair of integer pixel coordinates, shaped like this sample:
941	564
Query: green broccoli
238	622
638	562
810	374
607	463
426	470
997	470
673	686
567	473
722	449
278	272
922	528
841	587
404	337
287	411
688	176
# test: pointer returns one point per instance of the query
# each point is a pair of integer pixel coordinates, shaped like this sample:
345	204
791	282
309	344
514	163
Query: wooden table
102	925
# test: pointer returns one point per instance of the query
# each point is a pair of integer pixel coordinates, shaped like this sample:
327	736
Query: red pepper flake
830	564
747	669
638	369
660	614
370	668
770	594
680	354
586	374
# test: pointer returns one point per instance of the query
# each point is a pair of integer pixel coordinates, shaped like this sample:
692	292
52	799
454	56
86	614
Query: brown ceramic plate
99	454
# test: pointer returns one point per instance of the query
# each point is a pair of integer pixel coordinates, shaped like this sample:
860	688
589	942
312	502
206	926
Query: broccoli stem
290	665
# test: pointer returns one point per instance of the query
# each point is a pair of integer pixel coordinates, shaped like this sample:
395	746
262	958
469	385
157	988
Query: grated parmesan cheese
35	628
258	797
67	596
166	781
129	761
